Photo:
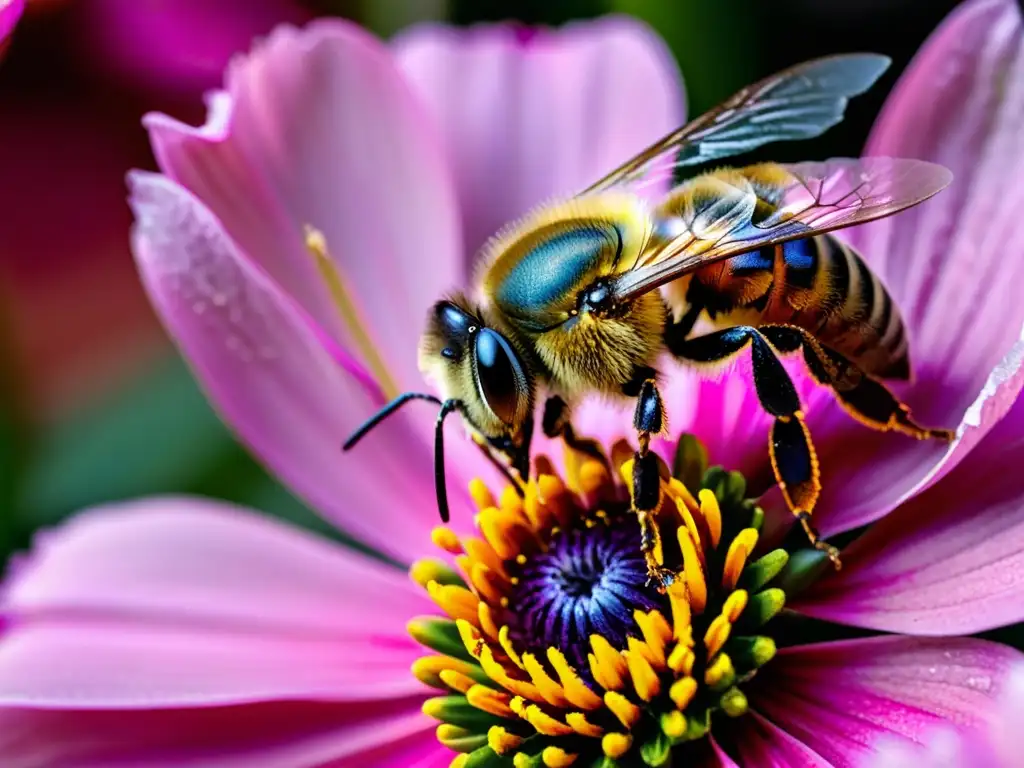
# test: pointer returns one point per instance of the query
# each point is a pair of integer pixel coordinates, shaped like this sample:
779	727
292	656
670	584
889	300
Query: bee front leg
556	422
649	419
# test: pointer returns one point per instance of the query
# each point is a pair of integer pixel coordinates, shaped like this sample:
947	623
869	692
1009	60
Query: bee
585	295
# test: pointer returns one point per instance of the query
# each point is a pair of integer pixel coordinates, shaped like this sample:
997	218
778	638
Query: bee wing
798	103
819	197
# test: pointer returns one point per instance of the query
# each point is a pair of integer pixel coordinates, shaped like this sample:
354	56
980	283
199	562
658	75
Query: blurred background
94	403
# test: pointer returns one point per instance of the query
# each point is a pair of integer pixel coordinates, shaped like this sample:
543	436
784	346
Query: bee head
477	365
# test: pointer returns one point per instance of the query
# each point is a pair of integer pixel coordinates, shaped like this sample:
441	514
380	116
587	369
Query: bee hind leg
794	460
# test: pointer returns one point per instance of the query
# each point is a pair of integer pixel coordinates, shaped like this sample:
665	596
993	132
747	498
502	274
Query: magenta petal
187	602
531	115
10	12
755	741
318	127
953	264
265	366
841	698
950	561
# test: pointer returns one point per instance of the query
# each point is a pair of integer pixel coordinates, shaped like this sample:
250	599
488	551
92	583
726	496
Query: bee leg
649	419
865	398
556	422
793	458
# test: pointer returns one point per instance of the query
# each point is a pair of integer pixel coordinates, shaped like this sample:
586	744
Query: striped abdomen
819	284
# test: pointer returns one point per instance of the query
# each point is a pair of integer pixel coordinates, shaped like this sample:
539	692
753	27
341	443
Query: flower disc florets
556	650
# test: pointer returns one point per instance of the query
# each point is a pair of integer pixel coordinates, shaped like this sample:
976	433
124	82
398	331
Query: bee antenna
383	413
439	482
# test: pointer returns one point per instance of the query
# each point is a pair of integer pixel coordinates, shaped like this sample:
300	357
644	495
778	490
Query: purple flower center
590	580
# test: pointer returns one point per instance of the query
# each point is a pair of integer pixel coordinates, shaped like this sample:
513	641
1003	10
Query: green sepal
471	742
734	702
657	752
750	652
729	487
805	567
443	573
763	570
457	711
485	757
439	635
690	462
761	608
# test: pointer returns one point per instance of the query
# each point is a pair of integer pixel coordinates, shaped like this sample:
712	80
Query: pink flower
10	11
177	631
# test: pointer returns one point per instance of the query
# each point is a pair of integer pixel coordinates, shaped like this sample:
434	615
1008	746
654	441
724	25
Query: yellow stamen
482	552
481	494
489	700
428	669
511	504
734	605
712	515
549	689
506	532
443	538
457	681
681	660
428	569
616	744
682	692
505	641
545	723
341	297
680	492
645	680
459	762
578	694
487	623
717	634
489	585
470	637
627	712
501	741
554	757
656	632
673	724
691	526
582	726
498	674
736	557
679	601
692	571
720	672
457	602
606	664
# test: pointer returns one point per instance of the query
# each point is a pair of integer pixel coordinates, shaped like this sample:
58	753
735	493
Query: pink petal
950	561
182	45
10	12
317	127
755	741
269	371
953	264
269	735
187	602
840	698
528	115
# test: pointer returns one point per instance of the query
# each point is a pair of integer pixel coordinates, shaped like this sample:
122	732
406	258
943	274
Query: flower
163	631
10	11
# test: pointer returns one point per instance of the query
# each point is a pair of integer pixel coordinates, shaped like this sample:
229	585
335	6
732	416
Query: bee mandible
583	296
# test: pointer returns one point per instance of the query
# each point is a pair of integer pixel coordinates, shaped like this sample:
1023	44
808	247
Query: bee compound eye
498	374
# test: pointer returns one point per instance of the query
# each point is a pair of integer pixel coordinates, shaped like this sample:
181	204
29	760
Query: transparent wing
814	198
797	103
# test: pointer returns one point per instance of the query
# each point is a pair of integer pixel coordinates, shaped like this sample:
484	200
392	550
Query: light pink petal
269	735
841	698
188	602
10	12
318	127
953	264
276	379
532	114
181	46
948	562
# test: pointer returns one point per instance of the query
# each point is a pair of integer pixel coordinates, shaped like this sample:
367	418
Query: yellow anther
645	679
489	700
693	573
736	557
341	297
522	760
640	648
691	525
720	672
498	674
545	723
457	602
616	744
578	694
606	664
673	724
481	494
682	616
505	531
427	669
501	741
535	509
551	492
712	515
459	762
444	538
682	692
734	605
656	632
428	569
505	640
510	502
717	634
488	626
489	585
681	660
549	689
457	681
627	712
680	492
482	552
594	477
555	757
582	726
